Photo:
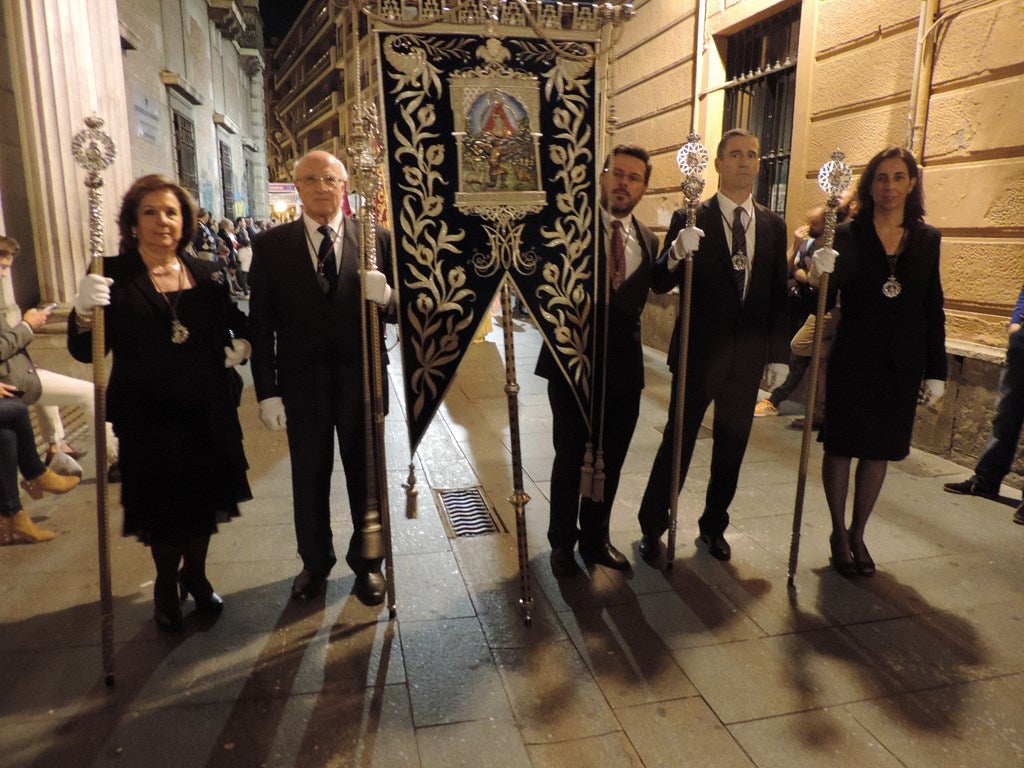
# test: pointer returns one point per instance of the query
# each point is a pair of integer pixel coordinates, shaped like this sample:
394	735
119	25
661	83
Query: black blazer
729	338
625	352
909	331
294	326
142	371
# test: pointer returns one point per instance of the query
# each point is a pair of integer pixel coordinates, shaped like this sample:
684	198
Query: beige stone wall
855	73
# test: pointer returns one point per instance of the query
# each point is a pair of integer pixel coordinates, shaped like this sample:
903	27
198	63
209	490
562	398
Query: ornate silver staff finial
692	159
834	178
94	150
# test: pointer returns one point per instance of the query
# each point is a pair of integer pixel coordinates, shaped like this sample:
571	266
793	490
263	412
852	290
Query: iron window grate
467	512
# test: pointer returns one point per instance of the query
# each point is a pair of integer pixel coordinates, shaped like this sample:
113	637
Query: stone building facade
942	78
151	69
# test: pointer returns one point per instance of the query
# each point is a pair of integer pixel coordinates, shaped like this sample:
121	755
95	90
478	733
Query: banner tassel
411	493
597	491
587	472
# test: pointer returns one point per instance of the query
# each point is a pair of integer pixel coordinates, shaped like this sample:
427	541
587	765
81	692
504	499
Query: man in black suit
628	249
307	363
738	321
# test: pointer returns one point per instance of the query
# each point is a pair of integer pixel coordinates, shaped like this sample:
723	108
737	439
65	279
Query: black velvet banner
490	148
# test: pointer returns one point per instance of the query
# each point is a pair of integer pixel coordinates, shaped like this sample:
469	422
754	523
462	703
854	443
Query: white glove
687	241
376	287
775	374
272	413
823	261
93	291
931	392
239	351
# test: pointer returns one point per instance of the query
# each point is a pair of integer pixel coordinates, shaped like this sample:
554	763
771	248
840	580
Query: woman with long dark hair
889	352
175	335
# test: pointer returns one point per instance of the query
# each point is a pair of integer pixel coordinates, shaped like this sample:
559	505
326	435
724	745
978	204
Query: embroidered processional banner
491	152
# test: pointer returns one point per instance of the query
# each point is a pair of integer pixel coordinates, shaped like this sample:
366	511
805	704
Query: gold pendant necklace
179	333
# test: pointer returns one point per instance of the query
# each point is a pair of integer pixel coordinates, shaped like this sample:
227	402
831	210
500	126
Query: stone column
66	64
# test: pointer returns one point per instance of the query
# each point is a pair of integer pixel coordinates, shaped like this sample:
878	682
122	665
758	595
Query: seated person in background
18	451
45	389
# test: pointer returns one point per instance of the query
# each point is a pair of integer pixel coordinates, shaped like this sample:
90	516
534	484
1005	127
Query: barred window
250	181
761	70
227	179
183	134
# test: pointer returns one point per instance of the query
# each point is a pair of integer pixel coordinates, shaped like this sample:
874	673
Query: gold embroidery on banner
438	314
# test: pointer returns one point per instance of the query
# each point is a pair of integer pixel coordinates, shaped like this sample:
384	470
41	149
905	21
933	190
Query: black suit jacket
625	352
729	338
293	324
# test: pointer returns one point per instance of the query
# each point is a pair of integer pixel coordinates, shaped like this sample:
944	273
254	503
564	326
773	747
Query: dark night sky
278	16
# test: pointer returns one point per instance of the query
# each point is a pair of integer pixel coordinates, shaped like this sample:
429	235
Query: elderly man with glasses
307	363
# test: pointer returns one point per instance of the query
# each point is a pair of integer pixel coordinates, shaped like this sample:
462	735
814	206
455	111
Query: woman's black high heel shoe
862	558
166	607
207	601
842	558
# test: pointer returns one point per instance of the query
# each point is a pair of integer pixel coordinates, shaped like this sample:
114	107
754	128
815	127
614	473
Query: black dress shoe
649	548
207	601
370	588
971	487
308	585
166	605
604	554
717	546
862	558
563	563
1018	516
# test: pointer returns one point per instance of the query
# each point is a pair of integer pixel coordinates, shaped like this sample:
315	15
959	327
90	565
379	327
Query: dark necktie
739	246
326	264
618	254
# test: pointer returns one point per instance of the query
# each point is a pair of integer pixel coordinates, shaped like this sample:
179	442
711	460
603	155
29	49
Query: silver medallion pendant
179	333
891	288
739	261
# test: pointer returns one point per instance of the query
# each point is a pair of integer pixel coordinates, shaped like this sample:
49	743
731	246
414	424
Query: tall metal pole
365	154
94	150
519	497
833	178
692	159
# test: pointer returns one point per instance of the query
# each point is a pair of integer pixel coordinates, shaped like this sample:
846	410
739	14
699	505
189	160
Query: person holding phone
43	389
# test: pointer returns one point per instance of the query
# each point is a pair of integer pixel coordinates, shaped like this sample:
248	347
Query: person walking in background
628	249
1001	447
176	336
244	254
739	320
204	241
889	352
305	311
18	452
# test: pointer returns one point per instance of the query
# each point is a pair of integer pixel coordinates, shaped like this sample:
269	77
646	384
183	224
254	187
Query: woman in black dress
175	335
889	351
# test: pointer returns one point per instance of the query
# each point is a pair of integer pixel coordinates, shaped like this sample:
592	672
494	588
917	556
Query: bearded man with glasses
307	363
628	250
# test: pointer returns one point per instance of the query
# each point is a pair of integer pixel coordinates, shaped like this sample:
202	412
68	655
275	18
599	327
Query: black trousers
569	435
325	401
734	401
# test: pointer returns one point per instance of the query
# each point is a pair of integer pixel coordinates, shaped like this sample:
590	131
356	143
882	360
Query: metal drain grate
467	512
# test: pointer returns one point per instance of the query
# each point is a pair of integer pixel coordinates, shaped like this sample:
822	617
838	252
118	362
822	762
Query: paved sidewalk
709	664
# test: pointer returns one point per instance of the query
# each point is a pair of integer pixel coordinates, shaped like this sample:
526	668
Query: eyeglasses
328	181
634	178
